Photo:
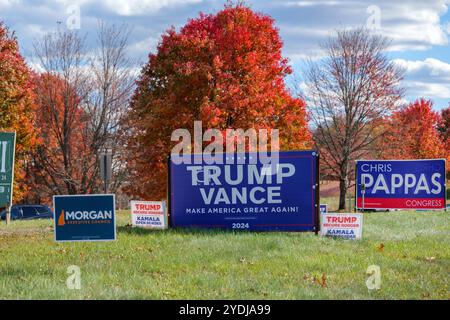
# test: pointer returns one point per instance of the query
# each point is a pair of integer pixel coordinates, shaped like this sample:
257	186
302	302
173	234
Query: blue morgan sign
84	217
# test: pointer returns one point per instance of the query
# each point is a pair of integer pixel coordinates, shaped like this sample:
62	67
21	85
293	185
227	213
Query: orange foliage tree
80	99
16	104
226	70
57	162
414	133
444	130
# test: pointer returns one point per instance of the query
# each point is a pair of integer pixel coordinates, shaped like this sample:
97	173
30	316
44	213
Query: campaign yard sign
84	217
323	208
400	184
246	195
7	148
342	225
148	214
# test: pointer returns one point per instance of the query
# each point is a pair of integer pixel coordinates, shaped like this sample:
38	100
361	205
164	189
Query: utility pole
105	168
363	192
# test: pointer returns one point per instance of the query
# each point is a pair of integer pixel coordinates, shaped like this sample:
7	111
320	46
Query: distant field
412	250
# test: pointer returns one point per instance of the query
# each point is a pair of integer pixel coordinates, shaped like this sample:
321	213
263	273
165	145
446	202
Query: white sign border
361	217
164	207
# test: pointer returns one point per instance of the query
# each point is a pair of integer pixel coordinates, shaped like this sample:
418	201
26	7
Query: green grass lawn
412	250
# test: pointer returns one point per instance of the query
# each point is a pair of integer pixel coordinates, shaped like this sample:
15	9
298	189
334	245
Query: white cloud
428	78
8	3
428	90
67	3
36	30
311	3
414	28
142	7
434	68
447	27
144	46
35	65
410	24
122	7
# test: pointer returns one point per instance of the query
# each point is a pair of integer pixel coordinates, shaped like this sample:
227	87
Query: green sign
7	148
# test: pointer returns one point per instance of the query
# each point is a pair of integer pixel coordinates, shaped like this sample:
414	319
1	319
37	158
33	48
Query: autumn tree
350	91
444	132
81	97
111	86
444	127
16	107
60	92
56	165
414	134
224	69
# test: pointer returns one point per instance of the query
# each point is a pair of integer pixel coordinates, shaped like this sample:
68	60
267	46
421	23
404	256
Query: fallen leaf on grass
323	281
426	295
430	259
167	293
381	247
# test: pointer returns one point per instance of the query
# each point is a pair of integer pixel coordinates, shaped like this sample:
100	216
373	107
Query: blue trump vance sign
84	217
246	195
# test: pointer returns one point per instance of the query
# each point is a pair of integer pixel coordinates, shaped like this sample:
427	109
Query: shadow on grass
195	231
130	230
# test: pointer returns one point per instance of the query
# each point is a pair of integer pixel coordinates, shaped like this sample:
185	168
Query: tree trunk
342	193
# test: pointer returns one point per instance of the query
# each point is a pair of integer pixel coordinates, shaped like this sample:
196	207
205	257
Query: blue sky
419	30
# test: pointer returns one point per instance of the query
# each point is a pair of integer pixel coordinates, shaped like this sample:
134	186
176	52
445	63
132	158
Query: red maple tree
414	133
444	130
226	70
